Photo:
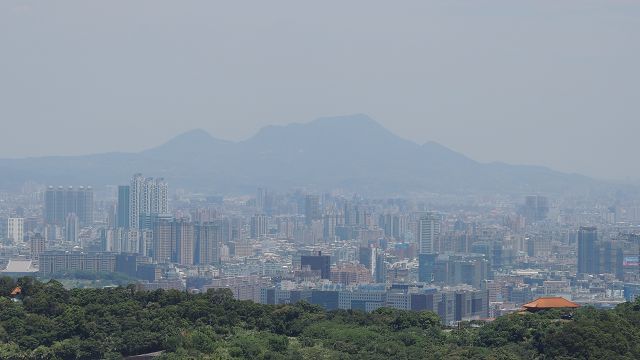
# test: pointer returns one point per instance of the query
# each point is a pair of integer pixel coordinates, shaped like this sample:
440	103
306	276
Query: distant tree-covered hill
50	322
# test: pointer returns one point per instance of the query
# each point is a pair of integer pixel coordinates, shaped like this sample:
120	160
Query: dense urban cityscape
291	180
471	258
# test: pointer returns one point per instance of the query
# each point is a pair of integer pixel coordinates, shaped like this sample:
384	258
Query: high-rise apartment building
428	233
122	211
38	246
380	270
208	237
182	234
15	230
588	251
72	228
394	225
145	243
539	245
312	209
60	202
385	221
147	197
535	208
399	226
261	199
259	226
136	189
162	243
349	213
329	224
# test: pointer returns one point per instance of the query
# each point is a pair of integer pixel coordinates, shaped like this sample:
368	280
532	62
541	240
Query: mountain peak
359	119
357	130
346	152
195	134
192	141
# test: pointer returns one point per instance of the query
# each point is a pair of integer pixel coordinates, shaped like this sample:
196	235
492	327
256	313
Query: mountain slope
351	152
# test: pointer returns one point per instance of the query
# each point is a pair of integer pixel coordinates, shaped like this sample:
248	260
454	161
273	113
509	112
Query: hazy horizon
541	83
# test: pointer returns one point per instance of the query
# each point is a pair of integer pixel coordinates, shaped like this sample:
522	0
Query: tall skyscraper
84	205
588	251
146	242
15	230
182	234
147	197
394	225
261	198
312	209
50	206
136	189
380	270
122	212
329	224
60	202
162	248
72	228
160	197
207	243
399	226
385	221
535	208
259	226
349	212
428	233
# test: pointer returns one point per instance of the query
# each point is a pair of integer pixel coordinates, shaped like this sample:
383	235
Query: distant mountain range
350	152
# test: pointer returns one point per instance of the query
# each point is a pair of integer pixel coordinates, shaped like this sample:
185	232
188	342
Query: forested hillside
47	321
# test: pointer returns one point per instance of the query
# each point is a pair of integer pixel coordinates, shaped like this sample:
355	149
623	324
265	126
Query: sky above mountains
550	83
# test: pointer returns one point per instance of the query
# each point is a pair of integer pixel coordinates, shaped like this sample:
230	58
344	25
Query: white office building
15	230
428	233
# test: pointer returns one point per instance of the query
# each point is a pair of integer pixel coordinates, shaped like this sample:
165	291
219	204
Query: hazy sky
552	83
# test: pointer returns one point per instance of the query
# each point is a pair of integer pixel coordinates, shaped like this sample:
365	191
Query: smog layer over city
319	180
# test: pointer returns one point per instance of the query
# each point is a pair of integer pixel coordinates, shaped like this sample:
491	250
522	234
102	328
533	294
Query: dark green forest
51	322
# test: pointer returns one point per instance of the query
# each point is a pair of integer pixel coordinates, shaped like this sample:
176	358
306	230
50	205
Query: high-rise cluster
144	225
146	197
60	202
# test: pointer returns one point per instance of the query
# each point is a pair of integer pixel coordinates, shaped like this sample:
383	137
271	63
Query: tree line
47	321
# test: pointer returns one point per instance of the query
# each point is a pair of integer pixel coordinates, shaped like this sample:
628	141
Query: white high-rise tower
135	200
15	230
428	233
147	197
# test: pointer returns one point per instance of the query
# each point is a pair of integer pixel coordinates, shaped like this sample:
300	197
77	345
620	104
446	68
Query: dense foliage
51	322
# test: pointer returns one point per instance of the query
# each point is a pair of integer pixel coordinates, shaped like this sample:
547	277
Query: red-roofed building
546	303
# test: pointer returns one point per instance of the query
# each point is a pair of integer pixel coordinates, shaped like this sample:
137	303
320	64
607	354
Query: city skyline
303	180
461	258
